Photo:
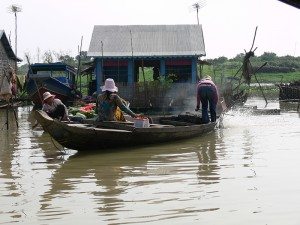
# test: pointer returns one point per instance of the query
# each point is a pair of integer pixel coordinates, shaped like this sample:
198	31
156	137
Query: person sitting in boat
207	94
54	107
109	101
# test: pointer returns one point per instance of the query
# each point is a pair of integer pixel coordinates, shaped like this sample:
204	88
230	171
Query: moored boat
289	92
4	104
106	135
57	78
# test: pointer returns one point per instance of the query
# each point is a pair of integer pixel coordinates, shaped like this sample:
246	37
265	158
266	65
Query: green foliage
219	60
22	70
166	81
278	77
278	69
67	60
268	56
148	74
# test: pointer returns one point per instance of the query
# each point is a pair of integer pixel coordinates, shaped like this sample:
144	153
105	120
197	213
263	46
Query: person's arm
59	102
123	107
44	107
47	108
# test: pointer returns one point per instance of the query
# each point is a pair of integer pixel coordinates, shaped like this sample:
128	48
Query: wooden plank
154	125
175	123
116	125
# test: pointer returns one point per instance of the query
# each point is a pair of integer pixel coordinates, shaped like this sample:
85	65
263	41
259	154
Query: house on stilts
7	55
8	63
169	51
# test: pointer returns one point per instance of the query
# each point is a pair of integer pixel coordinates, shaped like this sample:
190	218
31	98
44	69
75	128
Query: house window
116	69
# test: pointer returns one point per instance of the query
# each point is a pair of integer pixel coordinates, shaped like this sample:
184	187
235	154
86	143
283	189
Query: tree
239	57
67	60
219	60
84	57
268	56
48	58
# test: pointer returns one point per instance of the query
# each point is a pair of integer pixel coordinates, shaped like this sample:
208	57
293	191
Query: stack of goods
85	112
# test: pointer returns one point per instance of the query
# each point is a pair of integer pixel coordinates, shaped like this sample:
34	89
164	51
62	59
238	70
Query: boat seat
175	123
160	125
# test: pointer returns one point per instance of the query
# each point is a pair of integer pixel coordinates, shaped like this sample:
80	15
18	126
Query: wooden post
194	70
298	107
144	79
131	65
7	126
99	74
79	64
130	72
162	69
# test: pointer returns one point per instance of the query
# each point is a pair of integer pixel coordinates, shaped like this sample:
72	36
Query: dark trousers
207	99
58	113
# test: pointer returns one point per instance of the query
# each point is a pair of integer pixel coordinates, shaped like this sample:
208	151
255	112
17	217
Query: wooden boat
289	92
4	104
57	78
105	135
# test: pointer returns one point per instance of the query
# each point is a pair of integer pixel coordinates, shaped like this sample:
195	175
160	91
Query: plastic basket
141	122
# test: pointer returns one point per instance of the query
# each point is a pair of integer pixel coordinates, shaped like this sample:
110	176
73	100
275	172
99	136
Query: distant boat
289	92
57	78
111	134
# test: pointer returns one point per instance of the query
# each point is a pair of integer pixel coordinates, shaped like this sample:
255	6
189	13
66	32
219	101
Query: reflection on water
241	174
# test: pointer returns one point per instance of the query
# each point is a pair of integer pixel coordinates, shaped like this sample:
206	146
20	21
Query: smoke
180	98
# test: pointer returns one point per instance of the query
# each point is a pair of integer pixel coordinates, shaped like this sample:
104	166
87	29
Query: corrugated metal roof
7	46
147	40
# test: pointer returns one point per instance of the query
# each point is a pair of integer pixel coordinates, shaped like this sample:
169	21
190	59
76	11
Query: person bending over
54	107
207	94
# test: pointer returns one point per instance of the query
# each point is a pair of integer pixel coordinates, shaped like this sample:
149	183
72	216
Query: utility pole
15	9
197	6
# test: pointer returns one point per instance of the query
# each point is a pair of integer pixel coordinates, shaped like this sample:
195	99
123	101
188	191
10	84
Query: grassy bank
218	74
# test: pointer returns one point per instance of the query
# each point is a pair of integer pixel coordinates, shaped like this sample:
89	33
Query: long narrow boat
106	135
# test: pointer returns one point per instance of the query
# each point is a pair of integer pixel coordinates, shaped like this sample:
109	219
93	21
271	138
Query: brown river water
245	173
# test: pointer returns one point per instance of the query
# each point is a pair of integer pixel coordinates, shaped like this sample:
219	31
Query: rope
61	150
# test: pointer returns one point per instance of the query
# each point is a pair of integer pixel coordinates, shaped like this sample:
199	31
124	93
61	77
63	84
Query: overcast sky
228	26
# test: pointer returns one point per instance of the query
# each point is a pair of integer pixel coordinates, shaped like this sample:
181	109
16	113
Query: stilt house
8	62
7	55
122	52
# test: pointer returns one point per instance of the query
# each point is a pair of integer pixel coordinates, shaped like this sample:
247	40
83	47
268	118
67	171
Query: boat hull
289	92
85	137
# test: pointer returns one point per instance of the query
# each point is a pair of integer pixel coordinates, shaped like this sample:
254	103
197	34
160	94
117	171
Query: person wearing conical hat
109	101
207	94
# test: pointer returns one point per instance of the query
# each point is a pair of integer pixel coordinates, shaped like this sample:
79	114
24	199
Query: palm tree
15	9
